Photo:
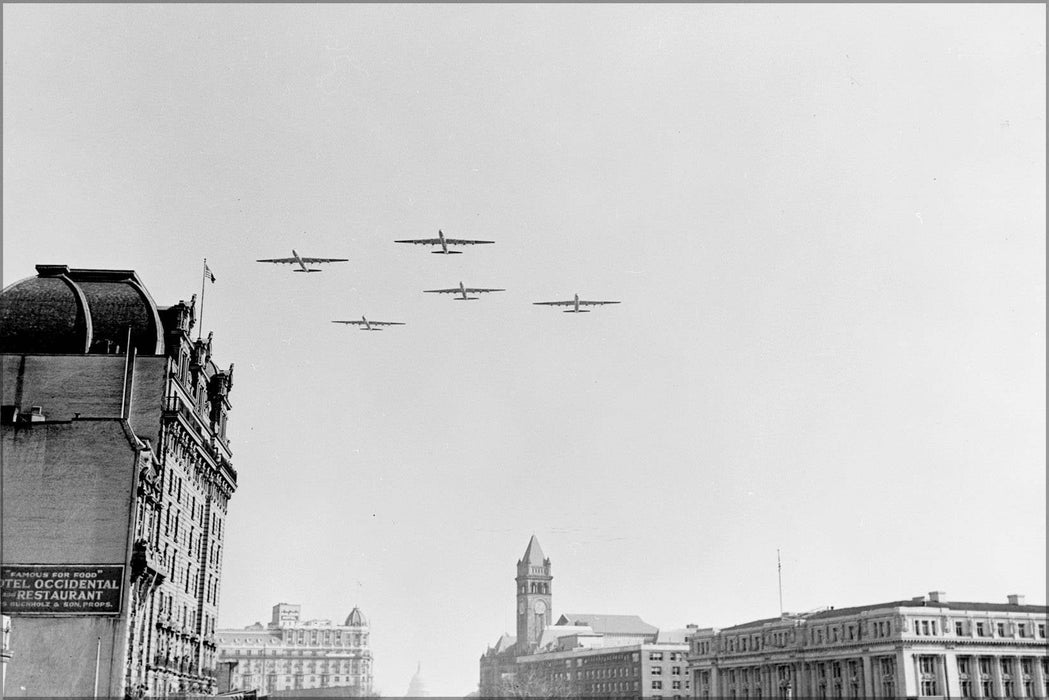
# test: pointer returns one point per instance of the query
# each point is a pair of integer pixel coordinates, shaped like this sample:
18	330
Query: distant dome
417	687
356	618
67	311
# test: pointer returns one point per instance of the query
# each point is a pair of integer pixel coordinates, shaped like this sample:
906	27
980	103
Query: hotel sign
61	589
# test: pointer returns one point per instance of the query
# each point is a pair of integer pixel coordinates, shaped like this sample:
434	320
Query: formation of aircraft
463	292
575	303
444	243
367	325
302	262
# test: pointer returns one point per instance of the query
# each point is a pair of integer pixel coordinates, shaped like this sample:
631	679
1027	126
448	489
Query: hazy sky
826	225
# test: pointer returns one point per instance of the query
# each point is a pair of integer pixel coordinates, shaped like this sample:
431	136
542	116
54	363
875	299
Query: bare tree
534	683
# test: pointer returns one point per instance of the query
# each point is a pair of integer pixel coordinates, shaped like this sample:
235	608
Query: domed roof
64	311
417	686
356	618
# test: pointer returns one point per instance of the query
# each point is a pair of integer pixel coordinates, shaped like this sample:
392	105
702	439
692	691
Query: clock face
540	607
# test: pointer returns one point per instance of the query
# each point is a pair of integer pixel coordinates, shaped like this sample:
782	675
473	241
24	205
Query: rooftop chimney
937	596
1016	599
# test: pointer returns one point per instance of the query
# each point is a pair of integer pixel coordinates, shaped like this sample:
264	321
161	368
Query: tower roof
66	311
356	618
534	553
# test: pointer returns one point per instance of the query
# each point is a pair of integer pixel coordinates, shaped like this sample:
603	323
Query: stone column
868	679
1018	678
906	674
997	686
1038	677
947	675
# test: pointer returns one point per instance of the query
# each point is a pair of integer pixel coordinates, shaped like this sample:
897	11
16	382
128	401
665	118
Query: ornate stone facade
290	654
110	405
924	647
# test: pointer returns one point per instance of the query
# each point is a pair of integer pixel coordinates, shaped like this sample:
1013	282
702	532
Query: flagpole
779	574
203	279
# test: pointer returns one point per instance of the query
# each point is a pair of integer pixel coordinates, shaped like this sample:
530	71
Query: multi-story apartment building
290	654
923	647
580	655
117	479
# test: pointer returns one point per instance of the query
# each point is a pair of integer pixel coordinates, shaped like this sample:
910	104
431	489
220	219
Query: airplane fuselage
302	263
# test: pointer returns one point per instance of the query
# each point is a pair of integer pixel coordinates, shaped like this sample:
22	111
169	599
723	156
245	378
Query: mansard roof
74	311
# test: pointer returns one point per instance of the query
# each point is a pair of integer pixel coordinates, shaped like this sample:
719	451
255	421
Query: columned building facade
924	647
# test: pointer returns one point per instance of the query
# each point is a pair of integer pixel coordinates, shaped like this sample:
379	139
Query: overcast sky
826	225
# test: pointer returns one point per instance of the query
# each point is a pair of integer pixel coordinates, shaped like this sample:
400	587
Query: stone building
117	478
289	656
580	655
923	647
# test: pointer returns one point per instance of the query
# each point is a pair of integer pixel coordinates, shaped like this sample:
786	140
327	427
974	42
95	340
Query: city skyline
825	225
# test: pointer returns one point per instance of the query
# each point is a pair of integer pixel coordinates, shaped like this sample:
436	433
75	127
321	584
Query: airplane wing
457	290
287	261
556	303
422	241
321	260
385	323
352	323
463	241
596	303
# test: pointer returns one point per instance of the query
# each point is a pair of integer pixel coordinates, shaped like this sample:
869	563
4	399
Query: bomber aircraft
463	292
444	243
367	325
575	303
302	261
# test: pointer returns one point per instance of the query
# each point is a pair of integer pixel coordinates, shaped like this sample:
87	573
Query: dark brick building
117	475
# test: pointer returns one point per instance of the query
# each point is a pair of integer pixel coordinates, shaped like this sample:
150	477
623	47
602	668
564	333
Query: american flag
207	272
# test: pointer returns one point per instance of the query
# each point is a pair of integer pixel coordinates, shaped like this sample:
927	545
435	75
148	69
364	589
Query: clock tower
534	610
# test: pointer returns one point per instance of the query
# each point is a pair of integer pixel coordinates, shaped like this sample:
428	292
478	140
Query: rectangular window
657	685
981	629
959	628
1041	630
1021	629
1001	629
657	670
